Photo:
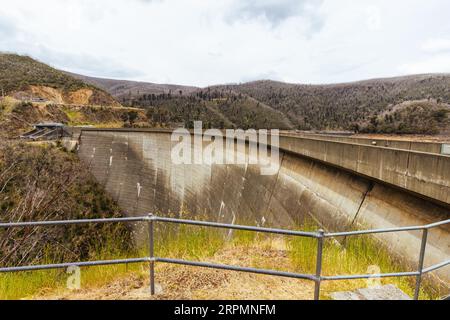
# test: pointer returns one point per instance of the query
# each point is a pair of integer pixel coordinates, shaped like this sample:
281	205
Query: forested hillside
407	105
350	106
215	108
373	106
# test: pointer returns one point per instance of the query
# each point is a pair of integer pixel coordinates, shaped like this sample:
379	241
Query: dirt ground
176	282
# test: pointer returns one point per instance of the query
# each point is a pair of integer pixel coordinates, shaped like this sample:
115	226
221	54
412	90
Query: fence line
320	235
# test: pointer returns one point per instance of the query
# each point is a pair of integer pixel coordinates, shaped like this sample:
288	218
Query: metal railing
320	235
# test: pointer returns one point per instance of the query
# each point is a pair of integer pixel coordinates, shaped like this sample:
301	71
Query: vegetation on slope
19	73
17	117
39	183
216	109
123	89
413	117
345	106
358	106
367	106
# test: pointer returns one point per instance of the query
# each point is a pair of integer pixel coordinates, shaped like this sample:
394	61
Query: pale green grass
25	285
180	242
355	255
74	116
20	285
189	242
197	243
7	105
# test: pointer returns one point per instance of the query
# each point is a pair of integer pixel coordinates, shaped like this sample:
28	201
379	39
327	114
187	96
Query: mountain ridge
28	79
102	81
118	88
404	104
363	105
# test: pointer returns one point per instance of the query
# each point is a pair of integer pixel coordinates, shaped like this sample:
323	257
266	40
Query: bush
44	183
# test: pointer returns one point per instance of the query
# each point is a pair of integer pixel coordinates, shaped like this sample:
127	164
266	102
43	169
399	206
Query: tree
130	117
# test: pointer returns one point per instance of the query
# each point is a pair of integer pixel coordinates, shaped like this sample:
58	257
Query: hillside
28	79
17	117
364	106
33	92
410	117
215	109
46	183
124	89
349	106
418	104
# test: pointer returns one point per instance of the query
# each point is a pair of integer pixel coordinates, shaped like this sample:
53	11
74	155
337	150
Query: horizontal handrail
238	227
69	222
320	235
74	264
369	276
436	266
219	225
238	268
386	230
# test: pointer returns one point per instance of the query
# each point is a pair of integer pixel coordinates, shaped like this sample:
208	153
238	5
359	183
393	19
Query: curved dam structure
340	185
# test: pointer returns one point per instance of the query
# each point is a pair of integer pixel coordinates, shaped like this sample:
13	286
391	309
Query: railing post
423	246
151	254
318	265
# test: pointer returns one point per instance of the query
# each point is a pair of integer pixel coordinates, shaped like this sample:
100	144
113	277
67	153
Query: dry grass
24	285
27	285
182	282
245	249
7	105
354	256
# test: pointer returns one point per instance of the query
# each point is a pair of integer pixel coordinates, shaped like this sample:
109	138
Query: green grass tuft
356	255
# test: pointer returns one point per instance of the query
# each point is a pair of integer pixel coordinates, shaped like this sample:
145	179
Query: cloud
438	45
277	11
434	64
436	57
373	18
86	64
201	43
7	29
15	40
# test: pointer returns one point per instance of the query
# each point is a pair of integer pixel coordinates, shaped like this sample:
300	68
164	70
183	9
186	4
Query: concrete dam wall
136	169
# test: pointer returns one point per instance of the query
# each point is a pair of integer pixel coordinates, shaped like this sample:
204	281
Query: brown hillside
345	106
29	80
270	104
123	89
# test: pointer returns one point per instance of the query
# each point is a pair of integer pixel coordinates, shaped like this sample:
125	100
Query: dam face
137	171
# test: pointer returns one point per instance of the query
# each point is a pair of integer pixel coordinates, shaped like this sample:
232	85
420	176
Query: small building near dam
46	131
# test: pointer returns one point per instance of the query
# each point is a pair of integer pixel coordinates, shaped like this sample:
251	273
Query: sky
206	42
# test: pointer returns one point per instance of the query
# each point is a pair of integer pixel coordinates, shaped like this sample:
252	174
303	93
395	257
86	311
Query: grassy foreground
23	285
360	255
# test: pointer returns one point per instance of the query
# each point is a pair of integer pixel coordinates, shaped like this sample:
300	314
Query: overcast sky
205	42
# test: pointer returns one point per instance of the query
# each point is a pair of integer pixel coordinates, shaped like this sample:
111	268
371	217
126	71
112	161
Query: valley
411	105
